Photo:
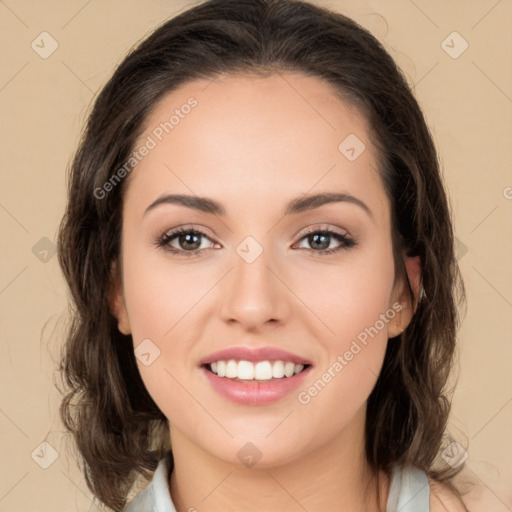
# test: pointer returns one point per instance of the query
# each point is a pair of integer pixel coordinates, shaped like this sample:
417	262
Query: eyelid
322	227
190	227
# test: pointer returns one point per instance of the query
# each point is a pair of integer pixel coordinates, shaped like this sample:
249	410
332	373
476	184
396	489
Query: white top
409	491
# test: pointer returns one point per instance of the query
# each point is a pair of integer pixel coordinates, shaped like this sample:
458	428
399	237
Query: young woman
260	253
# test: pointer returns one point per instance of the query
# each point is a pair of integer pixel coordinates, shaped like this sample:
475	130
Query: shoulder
443	499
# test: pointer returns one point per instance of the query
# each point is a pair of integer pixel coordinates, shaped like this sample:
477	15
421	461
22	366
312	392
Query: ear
116	299
402	294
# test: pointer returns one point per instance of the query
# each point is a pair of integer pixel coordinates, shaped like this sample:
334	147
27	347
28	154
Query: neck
333	477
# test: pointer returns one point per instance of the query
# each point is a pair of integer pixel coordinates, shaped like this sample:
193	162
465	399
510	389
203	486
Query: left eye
321	240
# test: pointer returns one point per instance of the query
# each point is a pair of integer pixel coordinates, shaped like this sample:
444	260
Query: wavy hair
119	431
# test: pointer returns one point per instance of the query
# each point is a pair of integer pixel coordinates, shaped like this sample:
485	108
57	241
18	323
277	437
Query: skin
254	144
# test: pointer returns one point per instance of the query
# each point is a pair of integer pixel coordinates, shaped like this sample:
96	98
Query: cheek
347	297
353	305
162	300
161	295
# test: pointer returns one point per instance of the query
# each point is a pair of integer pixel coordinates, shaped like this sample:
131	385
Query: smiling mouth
261	371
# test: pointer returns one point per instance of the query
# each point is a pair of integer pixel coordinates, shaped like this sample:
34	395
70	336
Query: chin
256	451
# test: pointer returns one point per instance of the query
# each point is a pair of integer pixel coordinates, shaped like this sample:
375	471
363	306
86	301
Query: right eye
183	241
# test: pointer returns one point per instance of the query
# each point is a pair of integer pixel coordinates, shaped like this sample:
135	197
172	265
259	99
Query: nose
254	294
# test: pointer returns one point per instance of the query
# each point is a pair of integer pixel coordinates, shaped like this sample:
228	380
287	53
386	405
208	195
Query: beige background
43	103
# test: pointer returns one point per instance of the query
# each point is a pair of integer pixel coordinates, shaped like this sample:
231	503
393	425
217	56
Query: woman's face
258	270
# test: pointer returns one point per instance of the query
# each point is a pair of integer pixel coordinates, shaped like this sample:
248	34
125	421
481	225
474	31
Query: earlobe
408	304
116	300
414	274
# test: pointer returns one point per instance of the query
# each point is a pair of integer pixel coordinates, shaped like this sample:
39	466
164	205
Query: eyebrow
298	205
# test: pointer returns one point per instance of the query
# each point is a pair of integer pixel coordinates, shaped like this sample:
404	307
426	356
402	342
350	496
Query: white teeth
289	369
245	370
231	369
221	368
278	370
262	370
298	368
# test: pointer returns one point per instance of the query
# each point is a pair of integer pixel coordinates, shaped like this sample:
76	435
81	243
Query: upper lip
254	355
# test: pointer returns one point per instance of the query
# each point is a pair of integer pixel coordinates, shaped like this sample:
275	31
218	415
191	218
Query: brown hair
119	430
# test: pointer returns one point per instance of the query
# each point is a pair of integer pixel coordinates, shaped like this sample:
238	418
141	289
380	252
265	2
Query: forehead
280	135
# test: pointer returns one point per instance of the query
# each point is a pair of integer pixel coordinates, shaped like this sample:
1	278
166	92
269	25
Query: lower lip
255	392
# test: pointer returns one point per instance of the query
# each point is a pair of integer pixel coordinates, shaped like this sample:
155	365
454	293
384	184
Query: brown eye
189	241
320	241
184	241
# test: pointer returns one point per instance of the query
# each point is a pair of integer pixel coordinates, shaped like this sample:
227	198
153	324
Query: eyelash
164	240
